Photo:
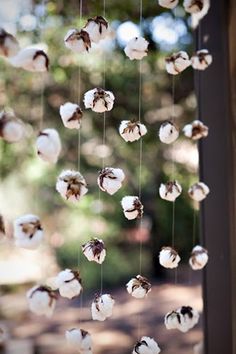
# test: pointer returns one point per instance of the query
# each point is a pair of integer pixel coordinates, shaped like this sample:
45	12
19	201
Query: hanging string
103	140
79	89
41	75
173	118
141	144
140	163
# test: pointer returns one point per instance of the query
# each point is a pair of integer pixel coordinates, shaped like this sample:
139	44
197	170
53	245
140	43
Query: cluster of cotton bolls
169	258
79	41
178	62
183	319
169	132
171	190
29	59
197	8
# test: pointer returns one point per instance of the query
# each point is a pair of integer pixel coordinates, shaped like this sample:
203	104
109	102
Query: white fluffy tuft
137	48
48	145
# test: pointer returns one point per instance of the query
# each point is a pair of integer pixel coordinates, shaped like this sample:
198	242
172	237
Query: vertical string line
41	75
77	97
140	145
140	161
79	90
173	118
103	138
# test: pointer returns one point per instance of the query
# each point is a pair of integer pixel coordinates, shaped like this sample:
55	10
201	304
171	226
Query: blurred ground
114	336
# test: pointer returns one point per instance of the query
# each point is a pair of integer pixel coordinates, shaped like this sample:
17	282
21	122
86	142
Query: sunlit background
28	184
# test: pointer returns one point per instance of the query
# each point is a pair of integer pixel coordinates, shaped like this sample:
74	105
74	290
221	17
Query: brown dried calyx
100	94
76	274
77	115
42	53
170	186
74	185
77	35
141	281
96	245
131	126
3	36
31	227
137	206
43	288
99	20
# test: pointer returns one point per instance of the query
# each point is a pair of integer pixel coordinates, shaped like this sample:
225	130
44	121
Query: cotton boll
97	28
169	258
170	190
71	115
189	318
94	250
199	258
71	185
168	4
177	63
193	6
198	191
31	59
41	300
99	100
201	60
28	232
132	207
168	132
196	130
79	339
9	45
48	145
146	345
138	287
12	129
110	179
183	319
132	131
137	48
77	41
102	307
198	16
69	283
173	320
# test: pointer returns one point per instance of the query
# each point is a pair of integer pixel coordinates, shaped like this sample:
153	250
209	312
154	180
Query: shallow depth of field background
28	184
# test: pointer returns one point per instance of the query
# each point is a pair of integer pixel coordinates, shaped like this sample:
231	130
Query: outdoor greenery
24	92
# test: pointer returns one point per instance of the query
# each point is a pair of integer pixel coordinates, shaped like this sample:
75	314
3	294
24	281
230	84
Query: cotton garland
28	232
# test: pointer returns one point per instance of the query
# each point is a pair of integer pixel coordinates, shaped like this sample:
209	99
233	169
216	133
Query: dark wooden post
217	155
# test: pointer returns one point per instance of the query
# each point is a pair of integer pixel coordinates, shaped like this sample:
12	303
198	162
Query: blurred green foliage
22	92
